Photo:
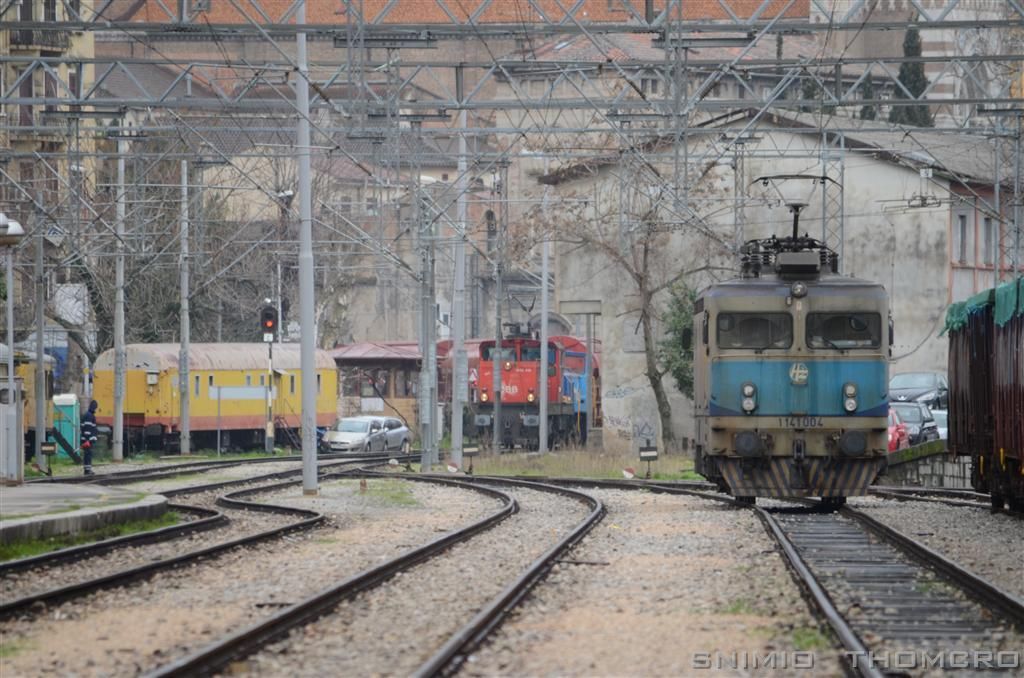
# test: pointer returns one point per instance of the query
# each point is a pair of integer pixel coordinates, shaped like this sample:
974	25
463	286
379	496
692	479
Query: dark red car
899	438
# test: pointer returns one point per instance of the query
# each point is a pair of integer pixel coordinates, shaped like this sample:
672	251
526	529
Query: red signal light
268	319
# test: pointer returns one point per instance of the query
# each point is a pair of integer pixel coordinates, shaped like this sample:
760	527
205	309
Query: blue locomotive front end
791	376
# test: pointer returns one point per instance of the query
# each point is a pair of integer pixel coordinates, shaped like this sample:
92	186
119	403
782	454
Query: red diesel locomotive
519	360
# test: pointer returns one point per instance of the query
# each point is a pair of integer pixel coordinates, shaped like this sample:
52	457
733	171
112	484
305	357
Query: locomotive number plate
800	422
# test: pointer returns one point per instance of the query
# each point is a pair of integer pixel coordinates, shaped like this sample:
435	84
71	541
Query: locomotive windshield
844	330
756	331
491	352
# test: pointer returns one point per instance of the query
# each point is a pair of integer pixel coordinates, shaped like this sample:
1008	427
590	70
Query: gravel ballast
393	629
665	585
138	628
989	545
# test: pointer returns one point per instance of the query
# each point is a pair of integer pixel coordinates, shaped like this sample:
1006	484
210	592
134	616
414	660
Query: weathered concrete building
916	209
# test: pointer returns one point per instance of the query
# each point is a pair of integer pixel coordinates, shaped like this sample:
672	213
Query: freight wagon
227	392
986	390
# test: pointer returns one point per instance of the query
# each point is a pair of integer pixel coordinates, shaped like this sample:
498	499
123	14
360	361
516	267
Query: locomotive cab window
530	353
844	330
757	331
492	353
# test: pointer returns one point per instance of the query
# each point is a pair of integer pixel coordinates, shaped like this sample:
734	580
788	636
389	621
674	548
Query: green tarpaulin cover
1008	300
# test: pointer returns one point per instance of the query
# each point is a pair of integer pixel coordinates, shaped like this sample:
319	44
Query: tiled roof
377	350
641	47
431	11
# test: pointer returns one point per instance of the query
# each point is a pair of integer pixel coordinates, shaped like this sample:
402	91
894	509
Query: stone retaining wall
928	465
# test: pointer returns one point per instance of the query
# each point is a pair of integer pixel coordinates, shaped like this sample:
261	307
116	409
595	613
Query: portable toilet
66	418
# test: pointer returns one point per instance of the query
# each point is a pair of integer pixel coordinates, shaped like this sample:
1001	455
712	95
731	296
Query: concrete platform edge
80	520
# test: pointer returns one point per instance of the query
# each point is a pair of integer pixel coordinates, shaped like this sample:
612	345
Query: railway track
453	652
884	593
879	590
176	469
304	519
947	497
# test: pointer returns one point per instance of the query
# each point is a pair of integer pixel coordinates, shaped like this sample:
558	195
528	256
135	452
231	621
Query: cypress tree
912	77
867	91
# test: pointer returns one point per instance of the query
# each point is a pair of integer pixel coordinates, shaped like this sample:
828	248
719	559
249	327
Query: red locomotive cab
519	362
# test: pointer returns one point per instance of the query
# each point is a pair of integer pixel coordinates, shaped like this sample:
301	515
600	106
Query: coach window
844	330
756	331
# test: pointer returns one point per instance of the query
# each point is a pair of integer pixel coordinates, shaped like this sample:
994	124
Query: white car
366	434
941	417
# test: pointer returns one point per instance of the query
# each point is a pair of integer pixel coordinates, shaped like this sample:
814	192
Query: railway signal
268	323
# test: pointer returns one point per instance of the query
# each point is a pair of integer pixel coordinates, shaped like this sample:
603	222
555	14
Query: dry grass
581	464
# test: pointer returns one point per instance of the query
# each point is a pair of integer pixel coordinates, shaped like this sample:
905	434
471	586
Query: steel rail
210	519
812	589
116	579
170	470
1007	604
910	496
453	653
211	658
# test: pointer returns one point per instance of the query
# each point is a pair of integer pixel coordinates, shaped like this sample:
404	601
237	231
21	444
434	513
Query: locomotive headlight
483	396
798	289
749	390
850	404
530	396
749	405
508	364
850	390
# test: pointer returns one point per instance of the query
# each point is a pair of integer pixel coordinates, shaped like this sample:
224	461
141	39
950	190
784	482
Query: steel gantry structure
392	70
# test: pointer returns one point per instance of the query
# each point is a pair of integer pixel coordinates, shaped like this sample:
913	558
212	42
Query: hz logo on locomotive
798	373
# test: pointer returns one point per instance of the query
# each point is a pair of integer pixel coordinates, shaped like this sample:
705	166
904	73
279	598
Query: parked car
918	418
367	434
941	417
930	388
899	438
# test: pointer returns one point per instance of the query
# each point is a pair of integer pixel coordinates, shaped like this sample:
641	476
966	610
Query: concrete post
40	415
119	347
185	427
306	296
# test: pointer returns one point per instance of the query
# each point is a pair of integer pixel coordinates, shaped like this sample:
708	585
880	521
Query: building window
248	380
263	380
197	385
350	381
50	10
291	384
649	85
960	239
209	381
25	90
374	384
988	238
405	383
318	383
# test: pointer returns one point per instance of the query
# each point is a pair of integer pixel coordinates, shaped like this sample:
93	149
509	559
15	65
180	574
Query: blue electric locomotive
791	376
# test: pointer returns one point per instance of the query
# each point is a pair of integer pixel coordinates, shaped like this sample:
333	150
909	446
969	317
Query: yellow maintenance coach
227	392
